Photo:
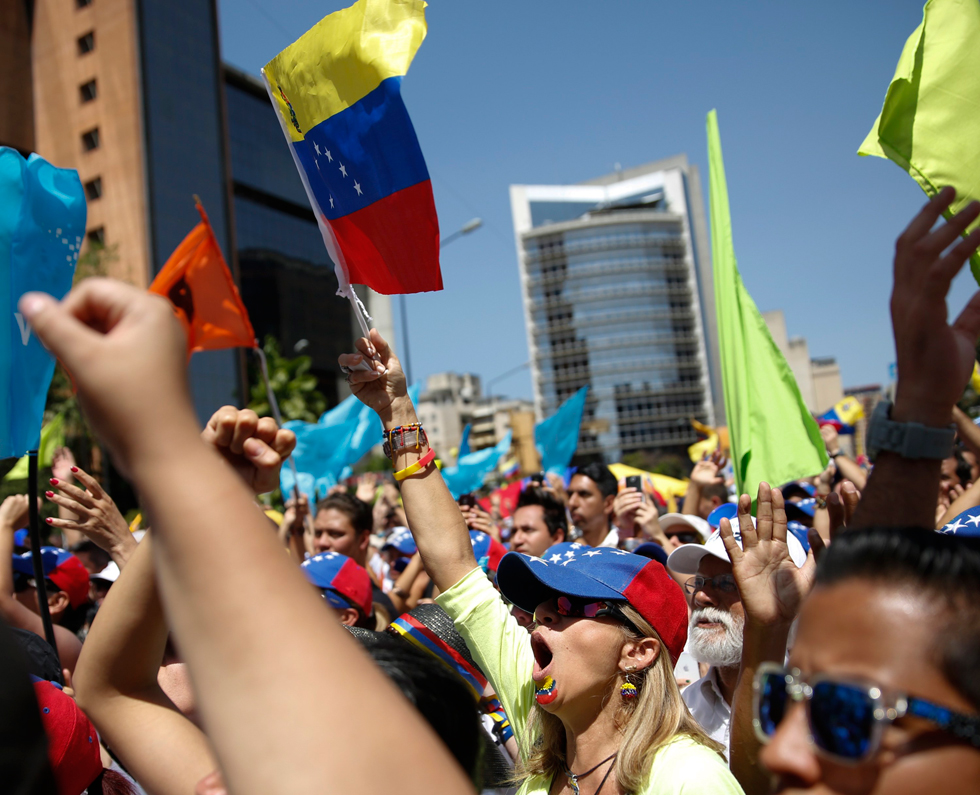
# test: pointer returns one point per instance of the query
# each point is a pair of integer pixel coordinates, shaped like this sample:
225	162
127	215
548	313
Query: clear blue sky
558	91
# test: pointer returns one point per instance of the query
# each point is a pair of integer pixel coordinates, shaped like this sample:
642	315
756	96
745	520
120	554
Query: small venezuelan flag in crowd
338	94
844	415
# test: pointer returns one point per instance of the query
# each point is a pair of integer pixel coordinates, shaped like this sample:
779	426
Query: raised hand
256	448
830	438
96	515
706	471
367	487
61	464
381	387
14	512
771	586
934	358
625	506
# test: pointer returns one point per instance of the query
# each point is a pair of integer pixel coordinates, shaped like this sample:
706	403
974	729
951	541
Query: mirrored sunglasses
846	719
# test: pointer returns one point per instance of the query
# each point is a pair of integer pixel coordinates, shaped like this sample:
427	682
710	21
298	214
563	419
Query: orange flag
199	285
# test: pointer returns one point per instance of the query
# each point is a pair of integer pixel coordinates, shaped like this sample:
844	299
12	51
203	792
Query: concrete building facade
618	295
818	378
134	96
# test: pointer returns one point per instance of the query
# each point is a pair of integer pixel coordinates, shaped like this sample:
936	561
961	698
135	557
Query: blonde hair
646	723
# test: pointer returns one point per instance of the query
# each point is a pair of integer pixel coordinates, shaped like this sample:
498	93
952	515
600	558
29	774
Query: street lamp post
470	226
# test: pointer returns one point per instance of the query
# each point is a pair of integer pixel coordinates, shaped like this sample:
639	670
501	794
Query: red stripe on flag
392	246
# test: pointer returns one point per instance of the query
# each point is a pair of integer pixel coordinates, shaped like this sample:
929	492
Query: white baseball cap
694	522
686	558
110	573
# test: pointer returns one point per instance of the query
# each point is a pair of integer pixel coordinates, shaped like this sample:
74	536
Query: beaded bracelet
419	465
402	437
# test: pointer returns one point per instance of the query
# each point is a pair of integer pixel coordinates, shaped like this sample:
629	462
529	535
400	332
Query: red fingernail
49	494
74	469
48	520
53	481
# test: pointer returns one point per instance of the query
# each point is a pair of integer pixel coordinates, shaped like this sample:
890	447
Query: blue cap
342	581
653	551
806	507
967	524
727	510
799	486
600	574
51	558
401	539
799	531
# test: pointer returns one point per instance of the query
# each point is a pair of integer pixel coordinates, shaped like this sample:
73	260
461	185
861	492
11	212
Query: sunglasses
687	537
723	583
846	719
572	608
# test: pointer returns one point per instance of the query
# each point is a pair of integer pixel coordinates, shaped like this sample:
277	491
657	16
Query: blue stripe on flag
364	153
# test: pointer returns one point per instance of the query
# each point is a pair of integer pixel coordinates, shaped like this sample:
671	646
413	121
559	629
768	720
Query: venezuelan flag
338	94
844	415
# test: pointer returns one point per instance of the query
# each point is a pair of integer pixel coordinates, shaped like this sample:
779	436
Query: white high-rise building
618	295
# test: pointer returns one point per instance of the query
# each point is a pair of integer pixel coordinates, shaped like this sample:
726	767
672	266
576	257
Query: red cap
71	576
73	745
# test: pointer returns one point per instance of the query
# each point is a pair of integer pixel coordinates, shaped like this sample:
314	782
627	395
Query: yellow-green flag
52	437
772	435
930	122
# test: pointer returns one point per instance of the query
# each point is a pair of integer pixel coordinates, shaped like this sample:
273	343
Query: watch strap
908	439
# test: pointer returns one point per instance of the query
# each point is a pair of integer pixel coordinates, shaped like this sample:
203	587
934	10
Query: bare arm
433	515
13	516
116	685
251	668
934	359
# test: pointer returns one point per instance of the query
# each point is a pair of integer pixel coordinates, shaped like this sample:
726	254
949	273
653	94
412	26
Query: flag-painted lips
546	691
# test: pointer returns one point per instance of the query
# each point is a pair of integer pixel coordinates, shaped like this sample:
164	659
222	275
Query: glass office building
616	281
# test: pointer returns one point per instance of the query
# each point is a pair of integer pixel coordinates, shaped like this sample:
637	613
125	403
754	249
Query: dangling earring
628	690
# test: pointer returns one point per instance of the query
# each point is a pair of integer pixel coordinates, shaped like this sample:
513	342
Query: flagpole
35	533
271	396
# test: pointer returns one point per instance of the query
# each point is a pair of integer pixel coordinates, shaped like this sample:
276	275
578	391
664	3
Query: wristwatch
907	439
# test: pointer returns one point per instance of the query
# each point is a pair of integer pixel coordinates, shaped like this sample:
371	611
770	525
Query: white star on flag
570	553
593	553
331	202
974	520
317	147
566	562
343	169
329	156
556	558
952	527
535	560
357	187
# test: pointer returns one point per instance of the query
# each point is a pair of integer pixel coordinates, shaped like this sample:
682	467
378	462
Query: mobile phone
466	499
538	477
636	482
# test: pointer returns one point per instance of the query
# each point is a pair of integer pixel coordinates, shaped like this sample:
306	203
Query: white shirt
708	707
611	540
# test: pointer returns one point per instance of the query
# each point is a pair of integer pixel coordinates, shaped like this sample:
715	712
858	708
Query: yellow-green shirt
501	648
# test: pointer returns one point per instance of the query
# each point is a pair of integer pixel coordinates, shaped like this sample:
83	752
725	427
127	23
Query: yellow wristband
421	464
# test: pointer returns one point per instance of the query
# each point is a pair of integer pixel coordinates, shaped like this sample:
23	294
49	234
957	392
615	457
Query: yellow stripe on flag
344	57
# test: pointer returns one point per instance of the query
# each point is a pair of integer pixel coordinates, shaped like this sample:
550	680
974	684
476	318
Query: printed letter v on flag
337	91
198	283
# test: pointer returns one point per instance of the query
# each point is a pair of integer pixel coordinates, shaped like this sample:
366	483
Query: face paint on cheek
546	691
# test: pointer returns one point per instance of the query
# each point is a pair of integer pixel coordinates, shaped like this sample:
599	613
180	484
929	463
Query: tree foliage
294	386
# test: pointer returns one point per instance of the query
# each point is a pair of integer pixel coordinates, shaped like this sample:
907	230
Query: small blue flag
557	437
470	469
42	225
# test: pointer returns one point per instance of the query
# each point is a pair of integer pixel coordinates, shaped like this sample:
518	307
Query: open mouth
543	656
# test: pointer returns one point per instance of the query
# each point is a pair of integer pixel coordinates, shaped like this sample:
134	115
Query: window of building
96	235
93	189
90	139
82	3
86	43
88	91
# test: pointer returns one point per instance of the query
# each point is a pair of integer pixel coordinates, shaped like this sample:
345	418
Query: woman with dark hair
592	695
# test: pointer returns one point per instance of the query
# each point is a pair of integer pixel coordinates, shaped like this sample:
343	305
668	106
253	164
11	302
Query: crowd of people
822	636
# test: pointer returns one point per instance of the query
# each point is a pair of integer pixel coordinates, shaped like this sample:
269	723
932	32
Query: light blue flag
557	437
327	450
464	442
42	224
471	469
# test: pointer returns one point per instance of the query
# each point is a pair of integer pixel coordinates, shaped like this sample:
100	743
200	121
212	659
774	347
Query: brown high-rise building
133	95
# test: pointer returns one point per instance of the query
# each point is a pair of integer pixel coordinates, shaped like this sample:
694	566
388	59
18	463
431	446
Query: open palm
770	584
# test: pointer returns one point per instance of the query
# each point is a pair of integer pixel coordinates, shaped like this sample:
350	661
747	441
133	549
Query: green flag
931	117
773	436
52	437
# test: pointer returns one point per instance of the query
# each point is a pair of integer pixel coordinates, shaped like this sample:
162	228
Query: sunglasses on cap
846	718
687	537
576	608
